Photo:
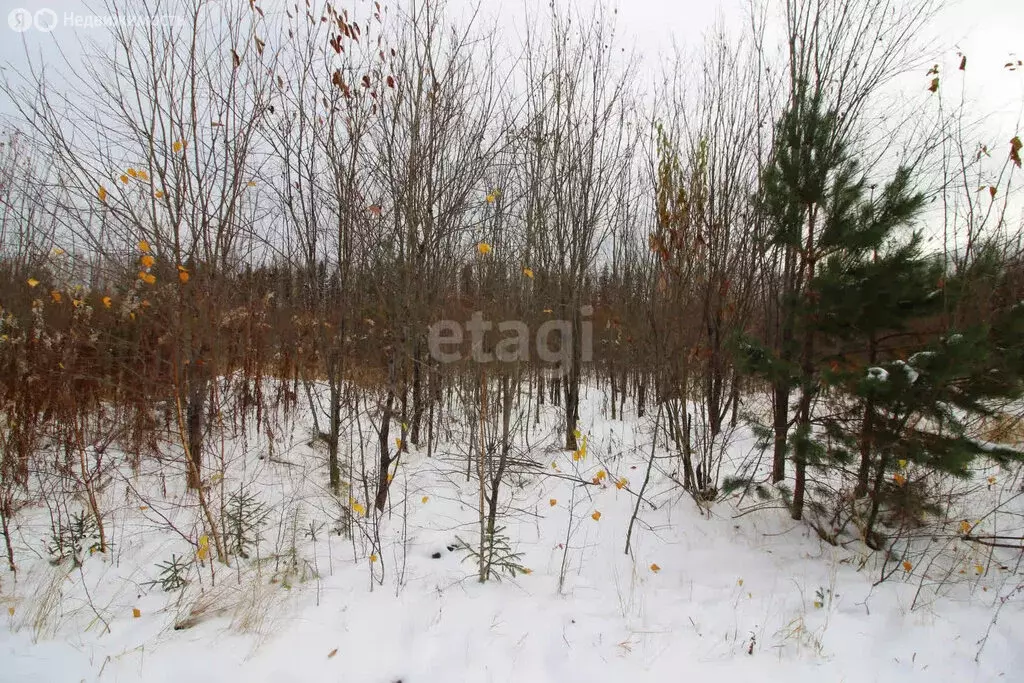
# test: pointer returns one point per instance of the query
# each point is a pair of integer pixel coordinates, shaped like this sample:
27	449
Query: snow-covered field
722	596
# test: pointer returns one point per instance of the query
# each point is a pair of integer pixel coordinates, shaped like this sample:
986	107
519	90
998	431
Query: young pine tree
830	231
921	407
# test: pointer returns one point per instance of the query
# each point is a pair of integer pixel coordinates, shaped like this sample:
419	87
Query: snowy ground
734	597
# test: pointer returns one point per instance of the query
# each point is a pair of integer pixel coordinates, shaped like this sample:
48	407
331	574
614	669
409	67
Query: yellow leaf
32	282
102	193
621	483
548	310
57	251
600	475
178	146
204	547
133	173
526	570
183	274
554	465
484	248
124	179
596	516
907	566
143	175
143	507
582	452
148	278
739	582
528	272
424	499
902	463
55	295
391	477
332	653
655	568
147	260
818	604
991	480
398	444
899	479
373	558
490	198
144	246
252	183
965	527
158	194
358	508
553	502
979	568
10	610
136	613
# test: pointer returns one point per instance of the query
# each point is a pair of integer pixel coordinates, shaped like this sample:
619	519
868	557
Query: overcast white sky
989	32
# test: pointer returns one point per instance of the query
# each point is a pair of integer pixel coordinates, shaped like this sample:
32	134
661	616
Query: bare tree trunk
195	412
334	423
417	396
611	378
866	432
6	509
641	396
383	473
780	411
876	501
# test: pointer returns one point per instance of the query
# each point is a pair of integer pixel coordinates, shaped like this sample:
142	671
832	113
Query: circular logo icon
46	20
20	20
